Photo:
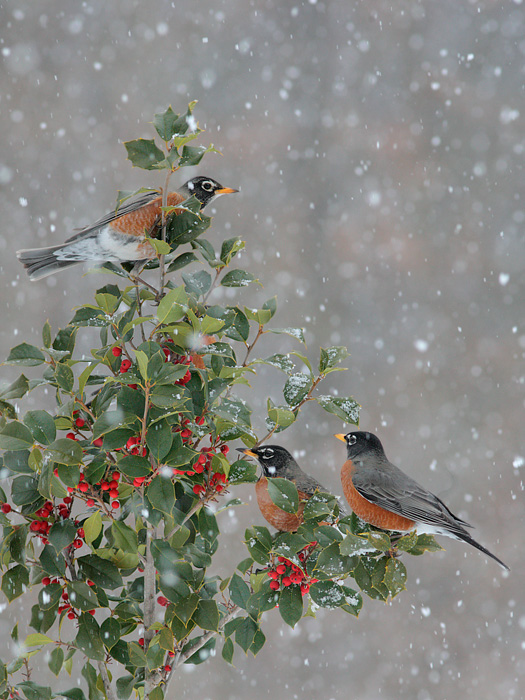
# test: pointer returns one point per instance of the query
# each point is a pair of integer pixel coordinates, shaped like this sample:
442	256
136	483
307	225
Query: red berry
6	508
71	615
167	668
117	352
46	581
286	581
115	476
161	600
225	449
104	486
113	493
90	582
171	654
186	433
199	420
35	526
77	544
281	569
98	442
71	436
141	641
91	612
132	441
125	365
115	505
83	488
90	503
80	532
273	574
133	386
274	585
198	488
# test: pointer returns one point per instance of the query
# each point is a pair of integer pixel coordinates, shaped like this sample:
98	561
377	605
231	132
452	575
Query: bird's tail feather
469	540
41	262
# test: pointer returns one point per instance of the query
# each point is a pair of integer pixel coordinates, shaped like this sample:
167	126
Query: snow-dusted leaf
238	278
297	333
283	417
332	356
345	408
278	360
296	388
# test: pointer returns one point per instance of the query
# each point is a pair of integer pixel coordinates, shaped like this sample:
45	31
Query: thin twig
213	284
184	656
301	403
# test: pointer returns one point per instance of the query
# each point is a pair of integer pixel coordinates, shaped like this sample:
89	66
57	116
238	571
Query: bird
120	235
382	495
276	461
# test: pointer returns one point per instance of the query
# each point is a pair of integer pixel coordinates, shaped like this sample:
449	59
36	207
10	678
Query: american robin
118	236
381	494
278	462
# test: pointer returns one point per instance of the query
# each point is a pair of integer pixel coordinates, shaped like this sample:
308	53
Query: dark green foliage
109	492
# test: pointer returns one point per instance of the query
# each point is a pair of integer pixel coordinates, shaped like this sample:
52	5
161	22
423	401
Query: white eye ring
352	440
207	185
267	454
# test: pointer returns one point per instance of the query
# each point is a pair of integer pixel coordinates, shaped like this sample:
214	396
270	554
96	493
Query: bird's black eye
267	453
207	185
352	439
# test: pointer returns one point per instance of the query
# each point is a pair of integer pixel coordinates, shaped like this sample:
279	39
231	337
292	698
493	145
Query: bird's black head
274	460
359	442
205	189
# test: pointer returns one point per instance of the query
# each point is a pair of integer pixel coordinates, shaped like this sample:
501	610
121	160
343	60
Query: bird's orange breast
142	220
279	519
370	512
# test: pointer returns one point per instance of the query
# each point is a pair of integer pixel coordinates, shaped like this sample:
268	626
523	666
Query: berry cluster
66	605
175	359
286	573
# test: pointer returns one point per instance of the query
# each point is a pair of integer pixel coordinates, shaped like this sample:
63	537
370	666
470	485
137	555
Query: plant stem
108	689
149	603
249	348
162	267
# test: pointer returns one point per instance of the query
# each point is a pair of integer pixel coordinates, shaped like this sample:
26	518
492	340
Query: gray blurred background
379	150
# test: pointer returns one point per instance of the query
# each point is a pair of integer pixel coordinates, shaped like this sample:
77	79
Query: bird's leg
394	552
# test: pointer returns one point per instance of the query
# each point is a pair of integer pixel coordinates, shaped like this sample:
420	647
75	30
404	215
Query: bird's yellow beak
225	190
247	452
340	436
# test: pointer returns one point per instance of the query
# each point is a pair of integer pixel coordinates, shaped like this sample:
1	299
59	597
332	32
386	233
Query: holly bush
112	514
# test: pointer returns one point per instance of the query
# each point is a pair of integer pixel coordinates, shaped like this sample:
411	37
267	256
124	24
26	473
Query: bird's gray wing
396	492
129	206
